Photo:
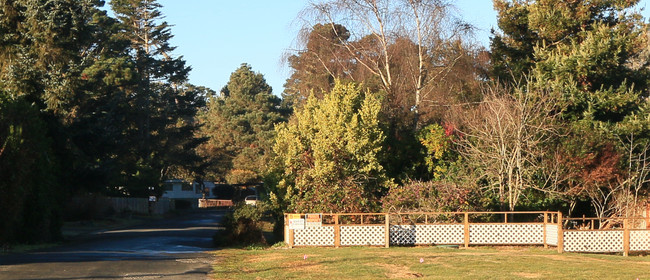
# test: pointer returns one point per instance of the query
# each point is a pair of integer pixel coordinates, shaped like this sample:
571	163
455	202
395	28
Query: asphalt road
166	249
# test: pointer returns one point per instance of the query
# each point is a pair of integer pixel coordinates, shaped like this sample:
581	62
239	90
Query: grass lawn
437	263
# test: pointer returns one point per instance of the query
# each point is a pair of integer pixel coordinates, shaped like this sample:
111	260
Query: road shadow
157	240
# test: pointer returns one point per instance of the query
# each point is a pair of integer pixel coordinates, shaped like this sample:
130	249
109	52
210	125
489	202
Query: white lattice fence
500	234
426	234
594	241
363	235
315	236
551	235
639	240
600	241
421	234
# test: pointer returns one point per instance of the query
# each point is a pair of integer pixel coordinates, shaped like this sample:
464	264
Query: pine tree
43	50
239	126
160	115
581	54
582	42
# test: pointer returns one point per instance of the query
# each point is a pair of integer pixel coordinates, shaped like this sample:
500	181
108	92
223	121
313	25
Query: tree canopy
328	153
389	105
107	111
238	125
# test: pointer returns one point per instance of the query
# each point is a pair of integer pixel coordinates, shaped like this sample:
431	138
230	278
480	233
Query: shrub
242	226
88	207
429	196
181	204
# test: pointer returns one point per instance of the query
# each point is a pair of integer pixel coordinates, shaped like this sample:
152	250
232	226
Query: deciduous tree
505	139
404	48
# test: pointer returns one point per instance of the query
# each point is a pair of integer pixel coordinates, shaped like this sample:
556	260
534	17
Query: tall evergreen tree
239	126
582	54
582	49
30	193
531	31
160	119
43	48
87	102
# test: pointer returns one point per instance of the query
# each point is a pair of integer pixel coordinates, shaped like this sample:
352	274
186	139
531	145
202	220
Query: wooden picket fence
210	203
541	228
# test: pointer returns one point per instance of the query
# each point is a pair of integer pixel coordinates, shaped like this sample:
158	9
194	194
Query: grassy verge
424	262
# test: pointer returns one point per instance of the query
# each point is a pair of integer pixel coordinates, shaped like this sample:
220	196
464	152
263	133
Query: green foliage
582	54
404	157
239	127
243	226
156	109
117	116
528	29
440	156
328	154
591	74
42	45
42	54
30	204
512	50
431	196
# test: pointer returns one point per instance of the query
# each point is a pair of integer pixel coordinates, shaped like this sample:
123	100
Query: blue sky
216	37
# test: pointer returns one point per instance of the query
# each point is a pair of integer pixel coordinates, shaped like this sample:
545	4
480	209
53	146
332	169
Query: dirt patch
527	275
304	265
398	271
556	257
264	258
513	248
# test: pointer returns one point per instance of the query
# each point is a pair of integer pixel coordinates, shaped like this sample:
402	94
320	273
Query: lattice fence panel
426	234
500	234
593	241
363	235
639	240
314	236
551	235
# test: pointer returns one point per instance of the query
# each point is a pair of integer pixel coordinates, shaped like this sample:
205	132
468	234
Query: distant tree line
390	107
88	103
553	116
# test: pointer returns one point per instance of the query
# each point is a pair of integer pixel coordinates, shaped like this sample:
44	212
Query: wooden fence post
387	230
289	232
626	237
466	226
545	222
337	231
560	233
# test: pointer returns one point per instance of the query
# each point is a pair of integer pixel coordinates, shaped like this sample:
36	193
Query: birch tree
408	45
505	139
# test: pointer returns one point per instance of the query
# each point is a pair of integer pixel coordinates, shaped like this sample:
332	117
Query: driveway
166	249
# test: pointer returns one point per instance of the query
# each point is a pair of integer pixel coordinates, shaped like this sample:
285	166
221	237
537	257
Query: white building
179	189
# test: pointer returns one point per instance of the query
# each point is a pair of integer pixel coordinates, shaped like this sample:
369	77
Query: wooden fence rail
463	229
209	203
